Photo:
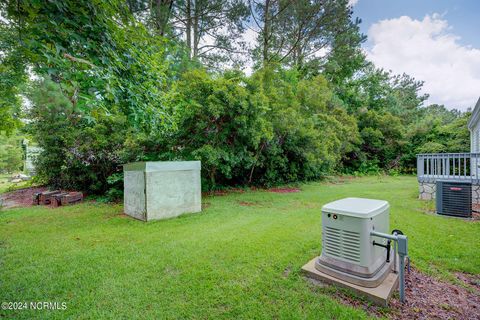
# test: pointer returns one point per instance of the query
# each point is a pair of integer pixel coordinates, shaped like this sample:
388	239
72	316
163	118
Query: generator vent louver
454	198
342	243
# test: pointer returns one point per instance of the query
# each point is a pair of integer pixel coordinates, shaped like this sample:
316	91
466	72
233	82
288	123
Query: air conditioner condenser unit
349	252
454	198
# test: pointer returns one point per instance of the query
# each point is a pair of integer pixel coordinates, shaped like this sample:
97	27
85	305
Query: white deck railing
448	166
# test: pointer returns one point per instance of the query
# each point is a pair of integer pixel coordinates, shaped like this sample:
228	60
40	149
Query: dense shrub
220	123
78	153
311	132
11	153
267	129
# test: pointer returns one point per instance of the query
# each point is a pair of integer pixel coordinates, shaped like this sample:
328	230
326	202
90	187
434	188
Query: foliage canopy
101	83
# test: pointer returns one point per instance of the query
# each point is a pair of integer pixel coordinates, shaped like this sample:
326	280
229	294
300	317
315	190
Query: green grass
230	261
6	185
4	182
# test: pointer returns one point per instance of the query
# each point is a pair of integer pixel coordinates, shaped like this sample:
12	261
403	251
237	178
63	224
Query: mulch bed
429	298
284	190
21	197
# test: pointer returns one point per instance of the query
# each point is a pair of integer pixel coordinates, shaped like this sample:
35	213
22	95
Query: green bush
221	123
11	153
268	129
271	128
311	132
77	153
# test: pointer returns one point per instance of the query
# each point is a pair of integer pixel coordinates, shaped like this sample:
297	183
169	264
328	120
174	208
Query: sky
436	41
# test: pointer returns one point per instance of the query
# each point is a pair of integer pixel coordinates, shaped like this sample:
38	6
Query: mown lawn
4	182
240	258
6	185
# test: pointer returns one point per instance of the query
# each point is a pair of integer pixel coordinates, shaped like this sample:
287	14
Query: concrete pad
378	295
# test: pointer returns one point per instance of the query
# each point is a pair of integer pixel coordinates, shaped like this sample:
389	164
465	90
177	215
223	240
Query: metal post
402	279
402	242
402	253
395	255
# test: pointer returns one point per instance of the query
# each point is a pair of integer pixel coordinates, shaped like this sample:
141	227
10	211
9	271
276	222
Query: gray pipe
384	235
402	247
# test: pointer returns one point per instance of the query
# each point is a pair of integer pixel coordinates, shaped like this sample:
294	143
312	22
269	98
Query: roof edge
475	115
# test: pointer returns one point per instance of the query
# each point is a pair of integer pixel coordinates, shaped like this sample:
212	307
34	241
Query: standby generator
349	251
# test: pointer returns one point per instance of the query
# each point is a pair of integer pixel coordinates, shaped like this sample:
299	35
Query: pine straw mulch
428	298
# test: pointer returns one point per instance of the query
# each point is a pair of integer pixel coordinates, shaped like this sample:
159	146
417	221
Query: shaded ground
428	298
19	198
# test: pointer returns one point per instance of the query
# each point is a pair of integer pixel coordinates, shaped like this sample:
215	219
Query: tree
12	77
77	153
11	153
295	32
98	50
211	29
222	124
161	11
312	132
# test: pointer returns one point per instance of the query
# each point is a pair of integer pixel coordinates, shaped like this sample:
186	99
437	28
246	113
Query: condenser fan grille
454	198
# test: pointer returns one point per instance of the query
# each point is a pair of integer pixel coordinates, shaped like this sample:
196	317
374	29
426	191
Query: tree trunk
161	10
189	28
196	35
266	30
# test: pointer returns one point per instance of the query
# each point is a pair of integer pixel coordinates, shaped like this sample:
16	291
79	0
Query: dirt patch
284	190
287	271
428	298
246	203
20	198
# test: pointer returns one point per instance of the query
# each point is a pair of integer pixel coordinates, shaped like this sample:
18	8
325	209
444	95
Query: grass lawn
6	185
240	258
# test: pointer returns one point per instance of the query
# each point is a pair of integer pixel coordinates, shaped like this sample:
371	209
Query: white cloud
352	3
428	50
250	38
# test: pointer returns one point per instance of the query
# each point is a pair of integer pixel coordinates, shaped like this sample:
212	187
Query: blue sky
437	41
463	15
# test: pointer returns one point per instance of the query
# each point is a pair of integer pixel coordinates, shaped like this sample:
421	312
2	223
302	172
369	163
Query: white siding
475	139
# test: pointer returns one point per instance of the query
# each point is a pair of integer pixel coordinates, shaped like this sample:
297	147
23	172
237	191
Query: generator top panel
356	207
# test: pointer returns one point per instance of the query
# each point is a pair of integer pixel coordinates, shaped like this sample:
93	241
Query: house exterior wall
475	138
474	127
427	191
427	186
